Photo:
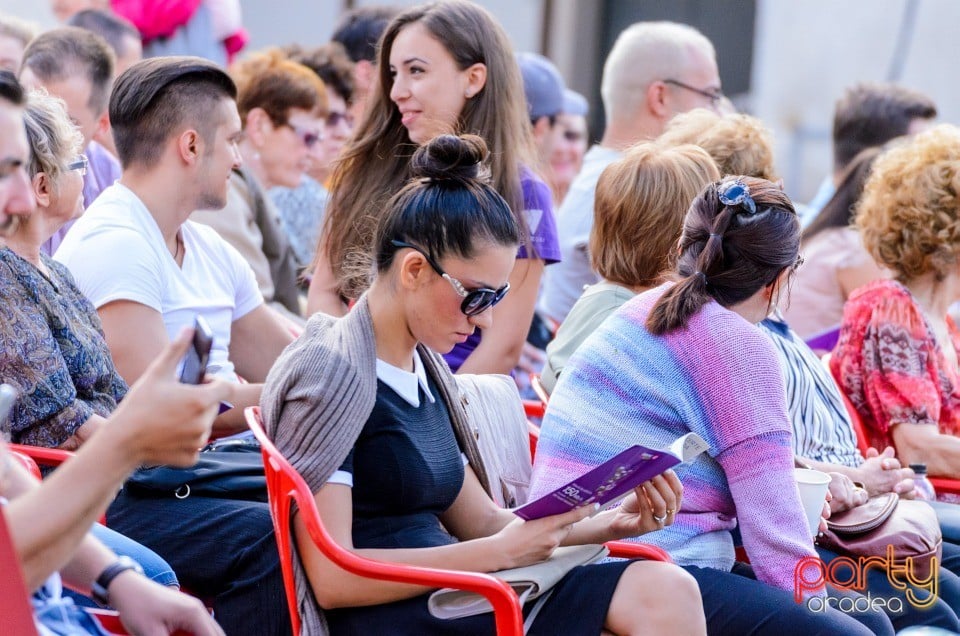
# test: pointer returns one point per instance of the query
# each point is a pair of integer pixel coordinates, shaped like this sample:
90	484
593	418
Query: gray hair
55	141
643	53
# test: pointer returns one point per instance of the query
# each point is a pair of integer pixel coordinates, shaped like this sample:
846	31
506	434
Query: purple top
103	169
538	207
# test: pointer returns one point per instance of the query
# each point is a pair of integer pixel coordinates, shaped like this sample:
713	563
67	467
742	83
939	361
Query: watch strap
100	590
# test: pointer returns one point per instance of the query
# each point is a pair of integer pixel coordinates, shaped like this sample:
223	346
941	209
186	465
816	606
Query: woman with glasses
686	356
53	351
282	106
366	410
443	67
302	208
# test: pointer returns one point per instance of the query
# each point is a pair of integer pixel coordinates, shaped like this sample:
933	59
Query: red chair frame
285	485
42	456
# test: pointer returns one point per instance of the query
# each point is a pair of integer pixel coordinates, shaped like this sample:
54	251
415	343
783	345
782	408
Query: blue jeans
154	567
221	549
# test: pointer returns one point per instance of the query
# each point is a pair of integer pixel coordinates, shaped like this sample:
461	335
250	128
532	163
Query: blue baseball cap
575	104
542	85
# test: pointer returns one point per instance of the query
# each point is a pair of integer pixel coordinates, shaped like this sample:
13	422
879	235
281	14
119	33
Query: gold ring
670	511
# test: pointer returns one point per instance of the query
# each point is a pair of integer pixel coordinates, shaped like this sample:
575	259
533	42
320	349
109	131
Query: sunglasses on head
475	301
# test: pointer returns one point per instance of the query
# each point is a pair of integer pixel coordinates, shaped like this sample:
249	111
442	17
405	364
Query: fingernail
596	509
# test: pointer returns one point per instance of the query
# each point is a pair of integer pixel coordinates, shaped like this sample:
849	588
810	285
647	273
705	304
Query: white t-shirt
116	252
563	282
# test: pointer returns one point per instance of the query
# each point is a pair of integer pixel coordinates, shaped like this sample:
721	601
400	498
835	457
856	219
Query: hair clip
736	193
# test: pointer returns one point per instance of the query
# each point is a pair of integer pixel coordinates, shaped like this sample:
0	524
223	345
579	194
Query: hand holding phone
198	355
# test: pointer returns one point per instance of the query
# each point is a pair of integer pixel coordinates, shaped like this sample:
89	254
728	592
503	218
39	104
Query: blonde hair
54	139
643	53
740	144
640	204
909	214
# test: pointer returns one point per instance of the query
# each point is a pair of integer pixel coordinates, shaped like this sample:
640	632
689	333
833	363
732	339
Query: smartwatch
100	590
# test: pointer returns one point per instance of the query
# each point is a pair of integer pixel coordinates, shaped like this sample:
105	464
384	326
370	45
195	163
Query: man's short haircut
643	53
111	27
61	53
331	64
360	30
154	98
871	114
10	88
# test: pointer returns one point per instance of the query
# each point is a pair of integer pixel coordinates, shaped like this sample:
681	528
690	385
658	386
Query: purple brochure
614	478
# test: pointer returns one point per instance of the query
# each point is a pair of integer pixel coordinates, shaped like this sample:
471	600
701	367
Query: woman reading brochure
687	357
366	410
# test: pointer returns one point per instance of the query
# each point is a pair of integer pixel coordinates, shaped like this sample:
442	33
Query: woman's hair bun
451	158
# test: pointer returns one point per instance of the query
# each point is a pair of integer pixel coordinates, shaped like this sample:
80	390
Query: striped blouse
821	427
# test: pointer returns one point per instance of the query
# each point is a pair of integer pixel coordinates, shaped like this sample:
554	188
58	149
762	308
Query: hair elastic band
701	275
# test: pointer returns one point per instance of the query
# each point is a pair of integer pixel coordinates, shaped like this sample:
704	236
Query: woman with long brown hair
445	67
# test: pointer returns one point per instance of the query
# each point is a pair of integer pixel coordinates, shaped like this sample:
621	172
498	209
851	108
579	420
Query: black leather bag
223	474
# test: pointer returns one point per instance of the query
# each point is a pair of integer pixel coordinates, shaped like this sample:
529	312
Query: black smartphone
195	362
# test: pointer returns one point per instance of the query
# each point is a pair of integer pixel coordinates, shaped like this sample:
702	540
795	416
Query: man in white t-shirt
149	271
655	70
146	268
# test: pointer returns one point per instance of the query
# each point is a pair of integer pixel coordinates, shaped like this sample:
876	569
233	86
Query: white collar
405	383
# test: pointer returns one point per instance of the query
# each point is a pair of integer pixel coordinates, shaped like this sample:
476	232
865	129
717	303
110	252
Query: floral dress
891	366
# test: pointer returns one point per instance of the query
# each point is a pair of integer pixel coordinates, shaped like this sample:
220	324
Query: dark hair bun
450	158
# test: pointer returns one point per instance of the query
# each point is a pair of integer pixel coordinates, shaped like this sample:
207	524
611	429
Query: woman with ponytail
687	357
367	411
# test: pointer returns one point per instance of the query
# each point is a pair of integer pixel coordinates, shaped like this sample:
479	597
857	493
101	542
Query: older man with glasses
655	70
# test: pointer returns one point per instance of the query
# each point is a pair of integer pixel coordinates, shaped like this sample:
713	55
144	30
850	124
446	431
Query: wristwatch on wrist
100	590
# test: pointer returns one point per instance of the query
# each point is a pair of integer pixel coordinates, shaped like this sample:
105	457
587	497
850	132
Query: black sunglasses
475	301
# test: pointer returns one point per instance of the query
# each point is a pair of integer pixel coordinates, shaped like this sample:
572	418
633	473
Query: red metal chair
285	486
942	485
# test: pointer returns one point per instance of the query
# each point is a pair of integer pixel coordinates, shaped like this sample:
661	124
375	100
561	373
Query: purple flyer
614	478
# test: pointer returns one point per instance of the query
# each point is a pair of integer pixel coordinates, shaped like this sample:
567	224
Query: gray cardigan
318	396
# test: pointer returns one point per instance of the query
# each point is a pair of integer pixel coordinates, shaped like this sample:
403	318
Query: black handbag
224	474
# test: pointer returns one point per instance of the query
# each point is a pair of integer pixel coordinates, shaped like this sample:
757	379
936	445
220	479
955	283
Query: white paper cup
813	486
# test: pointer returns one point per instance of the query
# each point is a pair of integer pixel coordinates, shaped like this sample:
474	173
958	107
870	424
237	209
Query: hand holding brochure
614	478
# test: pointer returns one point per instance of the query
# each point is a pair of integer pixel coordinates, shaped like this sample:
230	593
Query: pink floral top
891	366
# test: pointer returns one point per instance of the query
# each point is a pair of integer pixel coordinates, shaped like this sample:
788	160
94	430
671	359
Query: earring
468	94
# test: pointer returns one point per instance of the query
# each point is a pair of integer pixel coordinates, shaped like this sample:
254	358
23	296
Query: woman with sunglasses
686	356
443	67
282	107
371	417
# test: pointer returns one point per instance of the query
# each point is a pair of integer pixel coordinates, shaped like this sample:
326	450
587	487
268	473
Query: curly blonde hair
739	144
909	214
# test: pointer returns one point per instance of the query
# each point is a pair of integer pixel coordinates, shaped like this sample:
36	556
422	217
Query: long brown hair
376	163
729	252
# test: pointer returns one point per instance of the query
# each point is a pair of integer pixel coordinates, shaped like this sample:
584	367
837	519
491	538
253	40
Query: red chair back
285	485
16	613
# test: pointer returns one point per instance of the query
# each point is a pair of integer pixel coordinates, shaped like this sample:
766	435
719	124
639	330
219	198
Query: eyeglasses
308	137
475	301
79	164
714	95
335	118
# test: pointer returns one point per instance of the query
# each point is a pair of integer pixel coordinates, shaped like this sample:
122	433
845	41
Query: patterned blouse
53	351
891	365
